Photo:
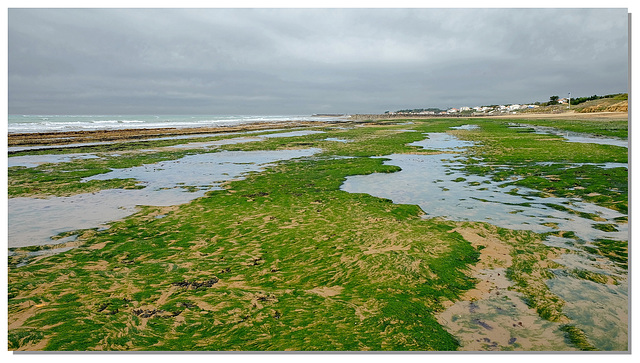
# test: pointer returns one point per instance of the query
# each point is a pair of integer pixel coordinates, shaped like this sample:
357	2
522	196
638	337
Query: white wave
54	123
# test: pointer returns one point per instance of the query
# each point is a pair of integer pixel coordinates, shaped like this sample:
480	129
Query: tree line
618	96
418	110
553	100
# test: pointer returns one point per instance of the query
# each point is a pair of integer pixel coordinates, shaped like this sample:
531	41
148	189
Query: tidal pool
601	310
501	321
32	161
293	133
214	144
173	137
34	221
241	140
465	127
575	136
441	141
337	139
439	186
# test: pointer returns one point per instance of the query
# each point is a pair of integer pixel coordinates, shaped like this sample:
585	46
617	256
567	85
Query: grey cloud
301	61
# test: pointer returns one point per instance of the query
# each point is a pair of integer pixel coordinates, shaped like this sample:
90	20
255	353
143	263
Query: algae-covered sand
282	258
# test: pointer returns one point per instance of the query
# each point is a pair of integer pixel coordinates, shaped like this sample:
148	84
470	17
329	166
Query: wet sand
493	317
71	137
570	115
489	317
33	220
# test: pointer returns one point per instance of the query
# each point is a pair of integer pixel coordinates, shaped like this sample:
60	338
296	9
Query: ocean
58	123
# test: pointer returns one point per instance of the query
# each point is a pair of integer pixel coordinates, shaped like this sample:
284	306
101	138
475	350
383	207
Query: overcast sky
305	61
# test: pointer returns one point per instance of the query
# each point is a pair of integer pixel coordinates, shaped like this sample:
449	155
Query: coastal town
493	109
617	102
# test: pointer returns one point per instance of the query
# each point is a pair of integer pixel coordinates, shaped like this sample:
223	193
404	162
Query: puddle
501	321
577	261
26	257
293	133
198	136
336	139
44	147
600	310
465	127
240	140
32	161
33	221
601	165
174	137
441	141
437	184
213	144
575	136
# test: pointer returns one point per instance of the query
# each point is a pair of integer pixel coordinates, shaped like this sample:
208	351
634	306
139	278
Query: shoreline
603	116
83	136
71	137
271	246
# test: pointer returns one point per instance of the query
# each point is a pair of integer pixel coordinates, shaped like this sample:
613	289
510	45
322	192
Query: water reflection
441	141
439	186
575	136
33	221
172	137
598	309
32	161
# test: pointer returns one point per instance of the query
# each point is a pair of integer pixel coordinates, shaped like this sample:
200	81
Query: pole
569	100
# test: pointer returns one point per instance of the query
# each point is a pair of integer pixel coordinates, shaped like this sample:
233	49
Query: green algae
612	128
297	263
616	251
577	337
547	164
281	233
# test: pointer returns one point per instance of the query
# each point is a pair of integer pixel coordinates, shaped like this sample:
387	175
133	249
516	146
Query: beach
72	137
318	180
124	131
400	235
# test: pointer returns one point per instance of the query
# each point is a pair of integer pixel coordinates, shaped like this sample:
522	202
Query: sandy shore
605	116
71	137
569	115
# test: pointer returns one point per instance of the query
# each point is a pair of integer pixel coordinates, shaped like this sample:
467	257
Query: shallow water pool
33	221
439	186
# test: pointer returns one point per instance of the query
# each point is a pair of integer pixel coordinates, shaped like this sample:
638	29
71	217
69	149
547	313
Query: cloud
301	61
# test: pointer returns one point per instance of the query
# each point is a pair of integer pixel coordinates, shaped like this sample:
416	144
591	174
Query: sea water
33	221
438	184
59	123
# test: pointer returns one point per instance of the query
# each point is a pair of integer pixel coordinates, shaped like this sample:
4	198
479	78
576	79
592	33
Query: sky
305	61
